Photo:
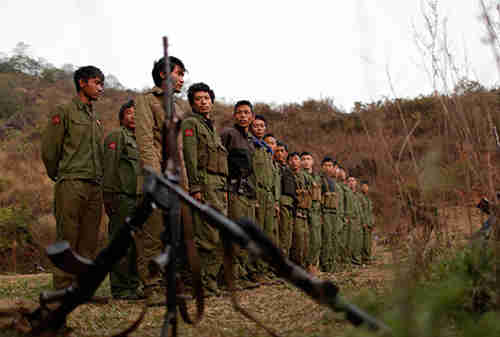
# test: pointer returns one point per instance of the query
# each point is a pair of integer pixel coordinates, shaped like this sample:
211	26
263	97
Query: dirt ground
281	306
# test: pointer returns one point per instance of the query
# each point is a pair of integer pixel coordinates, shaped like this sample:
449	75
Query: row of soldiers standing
240	171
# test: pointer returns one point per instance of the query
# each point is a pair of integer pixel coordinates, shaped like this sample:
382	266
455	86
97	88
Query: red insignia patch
112	146
56	119
188	132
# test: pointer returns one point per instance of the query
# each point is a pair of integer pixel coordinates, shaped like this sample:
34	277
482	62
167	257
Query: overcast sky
268	51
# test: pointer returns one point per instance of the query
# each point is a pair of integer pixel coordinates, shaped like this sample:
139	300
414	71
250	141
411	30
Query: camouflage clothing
121	166
205	159
72	155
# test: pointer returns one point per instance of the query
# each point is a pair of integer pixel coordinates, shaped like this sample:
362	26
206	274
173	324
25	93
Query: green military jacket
121	162
205	157
277	181
331	195
348	203
72	143
367	209
304	199
263	168
314	187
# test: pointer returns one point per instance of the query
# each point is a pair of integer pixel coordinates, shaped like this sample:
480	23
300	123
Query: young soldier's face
128	120
327	168
281	154
364	188
307	162
243	116
271	141
258	128
177	76
92	88
202	103
351	182
294	163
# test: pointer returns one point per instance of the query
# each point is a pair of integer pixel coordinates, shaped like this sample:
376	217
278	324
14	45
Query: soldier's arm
226	138
112	149
190	151
52	142
144	124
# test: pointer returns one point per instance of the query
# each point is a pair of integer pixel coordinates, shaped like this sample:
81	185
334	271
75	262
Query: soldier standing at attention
272	143
344	224
329	207
72	155
303	202
314	213
368	222
355	218
121	167
207	169
287	199
149	119
242	196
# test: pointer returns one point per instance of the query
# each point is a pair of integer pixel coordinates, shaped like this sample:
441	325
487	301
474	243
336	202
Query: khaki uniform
121	167
356	229
149	118
300	241
343	218
242	195
72	155
368	220
330	204
314	219
287	200
206	164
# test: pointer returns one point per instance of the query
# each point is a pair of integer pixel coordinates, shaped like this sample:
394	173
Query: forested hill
417	153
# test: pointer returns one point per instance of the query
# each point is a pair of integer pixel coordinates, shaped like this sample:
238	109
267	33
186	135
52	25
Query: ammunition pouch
304	199
316	192
330	200
288	186
212	157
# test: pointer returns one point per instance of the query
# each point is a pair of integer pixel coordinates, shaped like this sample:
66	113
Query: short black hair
268	135
128	105
262	118
85	74
364	182
243	102
194	88
305	153
328	159
280	143
293	154
159	67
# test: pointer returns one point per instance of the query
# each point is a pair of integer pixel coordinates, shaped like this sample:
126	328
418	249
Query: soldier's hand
197	196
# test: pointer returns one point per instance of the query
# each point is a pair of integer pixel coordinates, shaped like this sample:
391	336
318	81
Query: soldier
287	199
331	228
149	118
242	196
354	216
264	170
368	223
207	169
303	202
72	155
344	226
314	213
121	167
281	153
272	143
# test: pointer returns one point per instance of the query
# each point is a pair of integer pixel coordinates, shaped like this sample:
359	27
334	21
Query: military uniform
330	230
242	196
344	214
206	164
121	166
367	220
314	219
300	241
287	203
356	229
72	154
149	119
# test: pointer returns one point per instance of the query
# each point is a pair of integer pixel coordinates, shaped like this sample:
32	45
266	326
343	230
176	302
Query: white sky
267	51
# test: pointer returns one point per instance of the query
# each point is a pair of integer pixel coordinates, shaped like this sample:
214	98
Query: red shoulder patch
112	146
56	119
188	132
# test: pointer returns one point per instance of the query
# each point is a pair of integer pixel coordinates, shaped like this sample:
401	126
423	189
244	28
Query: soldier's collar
82	106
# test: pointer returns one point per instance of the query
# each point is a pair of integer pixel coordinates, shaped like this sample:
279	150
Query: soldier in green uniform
149	118
272	143
355	217
242	196
343	215
205	159
72	155
330	204
314	213
287	199
121	167
368	223
303	202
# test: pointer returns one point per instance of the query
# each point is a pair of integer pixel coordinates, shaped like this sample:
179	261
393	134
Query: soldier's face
294	163
243	116
351	182
281	154
364	188
258	128
202	103
177	76
307	162
271	141
327	168
92	88
128	120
